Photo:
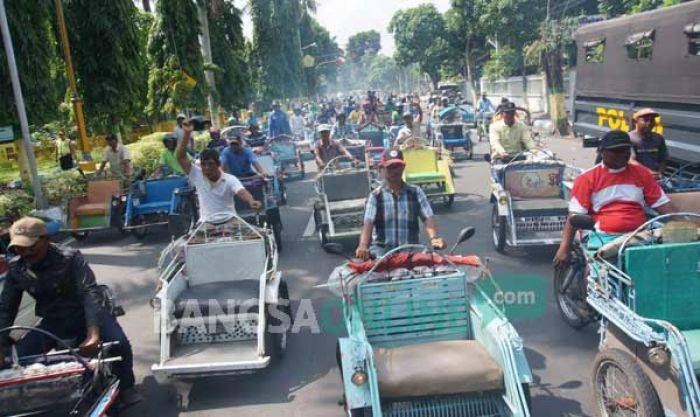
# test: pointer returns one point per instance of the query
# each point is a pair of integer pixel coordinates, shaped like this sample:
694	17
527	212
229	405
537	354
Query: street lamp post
21	111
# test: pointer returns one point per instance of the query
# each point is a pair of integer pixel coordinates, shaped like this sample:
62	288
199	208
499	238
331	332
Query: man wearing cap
215	189
327	149
215	139
508	137
239	161
614	192
68	301
393	211
649	147
278	124
167	164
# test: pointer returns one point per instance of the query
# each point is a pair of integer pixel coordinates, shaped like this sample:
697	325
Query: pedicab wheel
140	232
622	388
276	340
498	230
469	150
528	397
357	412
80	236
323	234
569	309
449	200
277	232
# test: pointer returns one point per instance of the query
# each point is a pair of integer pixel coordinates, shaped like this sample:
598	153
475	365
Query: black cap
507	107
615	139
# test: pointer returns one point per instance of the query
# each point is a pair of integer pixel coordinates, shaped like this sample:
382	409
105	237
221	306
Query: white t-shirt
404	134
115	158
215	197
296	123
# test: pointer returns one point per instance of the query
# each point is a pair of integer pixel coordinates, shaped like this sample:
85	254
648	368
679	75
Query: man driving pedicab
68	301
215	188
327	149
615	192
393	212
508	136
240	161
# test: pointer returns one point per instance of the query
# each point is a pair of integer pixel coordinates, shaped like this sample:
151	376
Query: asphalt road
306	382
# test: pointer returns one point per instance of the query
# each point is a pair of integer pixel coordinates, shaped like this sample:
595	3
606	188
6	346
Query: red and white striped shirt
616	198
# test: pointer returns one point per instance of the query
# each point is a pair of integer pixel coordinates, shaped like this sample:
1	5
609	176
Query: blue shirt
278	124
484	106
238	164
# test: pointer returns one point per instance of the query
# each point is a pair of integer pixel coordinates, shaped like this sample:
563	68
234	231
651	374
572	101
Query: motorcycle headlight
359	377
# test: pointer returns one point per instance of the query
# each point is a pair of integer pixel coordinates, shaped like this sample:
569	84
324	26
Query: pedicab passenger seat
422	166
425	348
97	201
346	191
219	282
536	187
158	194
665	284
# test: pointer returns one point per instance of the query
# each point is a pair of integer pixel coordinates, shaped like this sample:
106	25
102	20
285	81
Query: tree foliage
326	49
40	70
363	44
503	63
176	73
228	53
108	62
612	8
420	37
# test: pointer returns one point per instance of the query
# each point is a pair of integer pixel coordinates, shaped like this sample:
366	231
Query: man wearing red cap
649	147
393	210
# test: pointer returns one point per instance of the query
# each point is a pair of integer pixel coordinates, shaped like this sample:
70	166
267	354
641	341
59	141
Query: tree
382	73
466	38
419	35
228	54
503	63
612	8
362	44
176	74
326	48
41	72
108	63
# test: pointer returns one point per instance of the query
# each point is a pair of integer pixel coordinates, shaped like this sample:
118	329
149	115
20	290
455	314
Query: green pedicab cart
645	287
425	339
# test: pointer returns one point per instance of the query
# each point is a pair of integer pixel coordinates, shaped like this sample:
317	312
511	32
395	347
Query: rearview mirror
465	234
334	248
582	221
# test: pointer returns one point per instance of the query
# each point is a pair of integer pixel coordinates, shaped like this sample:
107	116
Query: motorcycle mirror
582	221
487	157
464	235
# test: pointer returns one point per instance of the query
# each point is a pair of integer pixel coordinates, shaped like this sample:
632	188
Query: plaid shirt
395	216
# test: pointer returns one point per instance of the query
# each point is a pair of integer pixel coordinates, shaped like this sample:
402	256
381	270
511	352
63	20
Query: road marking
310	229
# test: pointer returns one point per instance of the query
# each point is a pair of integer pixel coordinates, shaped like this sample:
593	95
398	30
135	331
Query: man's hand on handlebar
256	205
438	243
362	252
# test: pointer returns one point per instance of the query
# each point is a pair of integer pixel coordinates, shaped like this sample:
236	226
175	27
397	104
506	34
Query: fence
512	88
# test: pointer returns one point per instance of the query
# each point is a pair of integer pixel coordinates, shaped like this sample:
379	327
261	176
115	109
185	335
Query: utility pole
83	142
205	42
21	111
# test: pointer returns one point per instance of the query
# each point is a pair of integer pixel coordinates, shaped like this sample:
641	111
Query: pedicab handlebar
50	335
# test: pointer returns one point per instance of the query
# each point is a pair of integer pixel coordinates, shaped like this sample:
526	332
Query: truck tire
620	383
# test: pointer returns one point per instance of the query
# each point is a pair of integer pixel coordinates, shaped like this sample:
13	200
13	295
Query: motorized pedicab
219	305
263	190
425	339
286	157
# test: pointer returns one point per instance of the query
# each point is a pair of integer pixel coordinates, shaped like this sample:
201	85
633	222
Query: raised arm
180	153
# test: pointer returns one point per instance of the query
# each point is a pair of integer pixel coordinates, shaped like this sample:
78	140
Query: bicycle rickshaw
58	383
425	338
643	285
453	136
100	208
341	193
528	197
287	157
426	168
161	201
214	316
263	190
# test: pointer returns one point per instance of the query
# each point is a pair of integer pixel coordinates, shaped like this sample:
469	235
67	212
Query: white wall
512	88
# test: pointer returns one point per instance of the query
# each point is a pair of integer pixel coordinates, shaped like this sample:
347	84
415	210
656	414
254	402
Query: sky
344	18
